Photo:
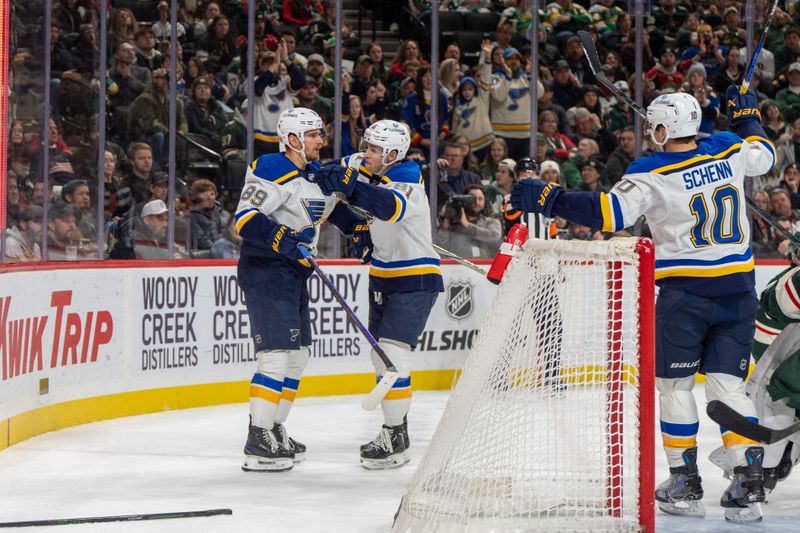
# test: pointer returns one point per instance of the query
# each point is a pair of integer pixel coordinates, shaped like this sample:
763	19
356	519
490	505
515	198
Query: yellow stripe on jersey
605	208
242	221
402	272
511	127
287	176
266	138
759	138
696	159
398	208
695	272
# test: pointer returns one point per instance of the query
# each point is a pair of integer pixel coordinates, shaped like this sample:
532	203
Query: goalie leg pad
731	390
678	415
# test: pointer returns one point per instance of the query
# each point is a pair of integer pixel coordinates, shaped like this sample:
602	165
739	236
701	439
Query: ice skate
264	453
388	450
743	498
298	448
682	493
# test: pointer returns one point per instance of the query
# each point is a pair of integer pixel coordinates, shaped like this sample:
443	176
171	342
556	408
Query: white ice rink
190	460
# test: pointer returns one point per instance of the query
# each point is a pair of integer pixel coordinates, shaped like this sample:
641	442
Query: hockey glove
362	242
535	196
285	240
335	178
741	108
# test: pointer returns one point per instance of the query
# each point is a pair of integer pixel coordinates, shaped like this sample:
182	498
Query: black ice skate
743	498
298	448
682	493
388	450
264	453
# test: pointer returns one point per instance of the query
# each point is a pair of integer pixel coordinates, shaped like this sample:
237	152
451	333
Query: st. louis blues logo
514	95
465	114
459	300
314	209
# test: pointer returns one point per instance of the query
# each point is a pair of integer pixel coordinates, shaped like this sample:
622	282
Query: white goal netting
541	433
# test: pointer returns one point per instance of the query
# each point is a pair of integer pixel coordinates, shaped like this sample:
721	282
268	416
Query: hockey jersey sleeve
760	151
259	198
386	201
630	198
783	299
344	219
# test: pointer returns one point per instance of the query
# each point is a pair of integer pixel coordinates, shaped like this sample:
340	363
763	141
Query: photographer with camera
464	227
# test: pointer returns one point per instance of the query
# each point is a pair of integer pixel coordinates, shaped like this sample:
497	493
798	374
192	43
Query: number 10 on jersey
726	227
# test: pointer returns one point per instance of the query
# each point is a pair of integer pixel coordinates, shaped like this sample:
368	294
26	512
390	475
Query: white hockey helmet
298	121
679	113
390	135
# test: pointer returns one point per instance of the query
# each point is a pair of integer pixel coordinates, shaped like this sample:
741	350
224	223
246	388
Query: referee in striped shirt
539	227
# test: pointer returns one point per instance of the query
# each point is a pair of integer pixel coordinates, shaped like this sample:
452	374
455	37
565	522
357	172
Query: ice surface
190	460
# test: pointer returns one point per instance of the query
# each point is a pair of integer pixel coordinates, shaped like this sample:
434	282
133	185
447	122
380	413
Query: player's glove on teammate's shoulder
336	178
362	242
535	196
285	240
741	107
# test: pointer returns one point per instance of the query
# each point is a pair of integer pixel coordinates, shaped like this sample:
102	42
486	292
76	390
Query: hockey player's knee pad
274	362
724	386
398	352
298	359
676	399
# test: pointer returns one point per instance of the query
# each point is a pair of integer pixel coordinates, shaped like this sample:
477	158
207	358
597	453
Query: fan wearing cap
204	115
148	119
731	34
272	97
510	99
22	242
692	194
619	115
697	85
498	190
665	73
61	227
788	98
416	111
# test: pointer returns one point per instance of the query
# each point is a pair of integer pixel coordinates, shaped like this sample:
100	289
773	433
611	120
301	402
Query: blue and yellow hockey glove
535	196
335	178
741	108
362	242
285	240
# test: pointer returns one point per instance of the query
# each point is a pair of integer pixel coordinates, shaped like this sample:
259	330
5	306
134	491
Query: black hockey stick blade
117	518
590	50
728	417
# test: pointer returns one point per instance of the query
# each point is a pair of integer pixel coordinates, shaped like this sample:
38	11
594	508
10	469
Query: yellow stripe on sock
398	394
732	439
679	442
265	394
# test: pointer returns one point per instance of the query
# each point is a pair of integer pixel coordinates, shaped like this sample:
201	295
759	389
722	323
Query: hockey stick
727	417
460	260
590	51
390	377
117	518
751	68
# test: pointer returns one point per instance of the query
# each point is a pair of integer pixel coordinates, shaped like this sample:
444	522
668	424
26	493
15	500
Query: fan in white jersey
692	194
404	278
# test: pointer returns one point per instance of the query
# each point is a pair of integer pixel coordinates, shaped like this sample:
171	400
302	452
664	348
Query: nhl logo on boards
459	300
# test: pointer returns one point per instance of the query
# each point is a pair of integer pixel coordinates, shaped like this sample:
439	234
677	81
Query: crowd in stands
585	136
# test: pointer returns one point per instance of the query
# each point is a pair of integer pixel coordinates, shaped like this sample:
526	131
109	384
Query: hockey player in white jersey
279	210
693	196
405	277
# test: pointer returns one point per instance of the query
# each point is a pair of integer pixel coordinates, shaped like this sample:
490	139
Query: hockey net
550	427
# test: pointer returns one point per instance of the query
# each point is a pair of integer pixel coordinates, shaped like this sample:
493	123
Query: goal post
551	424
